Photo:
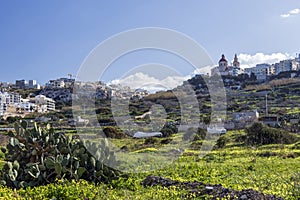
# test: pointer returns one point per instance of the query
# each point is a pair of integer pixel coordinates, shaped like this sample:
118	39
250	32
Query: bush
168	130
151	140
40	156
259	134
194	134
221	142
114	132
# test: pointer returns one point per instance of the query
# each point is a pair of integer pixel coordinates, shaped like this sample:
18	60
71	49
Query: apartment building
60	83
286	65
21	84
44	104
261	71
3	108
26	106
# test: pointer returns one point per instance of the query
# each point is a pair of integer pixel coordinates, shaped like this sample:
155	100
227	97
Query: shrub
168	130
240	138
113	132
166	141
39	156
259	134
194	134
221	142
151	140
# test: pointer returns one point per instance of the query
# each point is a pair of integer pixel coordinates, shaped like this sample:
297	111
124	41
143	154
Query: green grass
271	169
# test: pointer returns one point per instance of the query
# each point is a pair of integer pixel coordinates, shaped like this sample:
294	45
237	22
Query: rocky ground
216	191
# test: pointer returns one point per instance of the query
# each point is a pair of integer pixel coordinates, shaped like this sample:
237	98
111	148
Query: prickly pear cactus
39	156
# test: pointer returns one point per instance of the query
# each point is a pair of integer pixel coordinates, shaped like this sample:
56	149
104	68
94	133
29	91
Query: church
225	70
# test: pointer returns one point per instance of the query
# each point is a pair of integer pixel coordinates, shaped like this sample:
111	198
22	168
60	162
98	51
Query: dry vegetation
273	83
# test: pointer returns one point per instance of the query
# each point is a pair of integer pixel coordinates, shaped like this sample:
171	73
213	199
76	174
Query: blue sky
43	40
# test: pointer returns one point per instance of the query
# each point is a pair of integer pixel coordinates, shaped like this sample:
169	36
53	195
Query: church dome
223	59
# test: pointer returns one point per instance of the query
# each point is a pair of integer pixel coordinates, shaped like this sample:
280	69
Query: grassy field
271	169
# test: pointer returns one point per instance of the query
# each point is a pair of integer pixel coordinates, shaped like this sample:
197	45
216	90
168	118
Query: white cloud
291	13
285	15
247	60
141	80
295	11
153	84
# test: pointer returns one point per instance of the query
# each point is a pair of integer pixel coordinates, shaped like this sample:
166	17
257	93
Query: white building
7	99
32	84
60	83
3	108
3	98
14	98
261	71
55	84
286	65
245	116
69	82
119	91
10	98
44	103
26	106
140	93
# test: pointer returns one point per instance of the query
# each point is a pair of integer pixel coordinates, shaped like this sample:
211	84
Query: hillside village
27	97
24	98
